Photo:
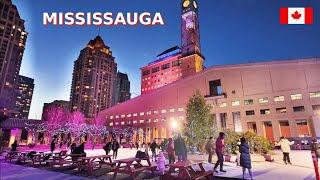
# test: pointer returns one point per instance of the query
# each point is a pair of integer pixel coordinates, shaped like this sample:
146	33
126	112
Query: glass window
128	115
265	111
278	98
123	116
281	110
176	63
250	113
296	96
315	94
147	72
135	114
237	121
111	117
165	66
163	111
141	121
298	109
111	124
223	120
263	100
155	112
215	88
156	69
134	122
235	103
180	109
122	123
223	104
156	120
248	101
171	110
141	113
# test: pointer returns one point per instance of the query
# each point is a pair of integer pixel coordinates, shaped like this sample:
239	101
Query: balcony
215	96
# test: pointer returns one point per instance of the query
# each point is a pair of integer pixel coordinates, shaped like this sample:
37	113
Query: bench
201	175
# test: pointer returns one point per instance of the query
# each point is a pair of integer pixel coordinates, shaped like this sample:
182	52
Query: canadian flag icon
296	15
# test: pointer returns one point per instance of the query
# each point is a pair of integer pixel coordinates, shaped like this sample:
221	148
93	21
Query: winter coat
153	146
219	145
14	146
161	163
285	145
209	146
115	145
245	159
170	148
180	146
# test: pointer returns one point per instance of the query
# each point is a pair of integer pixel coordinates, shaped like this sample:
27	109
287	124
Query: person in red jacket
219	151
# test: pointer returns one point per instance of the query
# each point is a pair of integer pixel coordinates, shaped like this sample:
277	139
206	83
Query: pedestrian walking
115	146
153	148
245	159
219	151
315	147
210	149
107	147
180	148
53	145
285	148
14	145
170	151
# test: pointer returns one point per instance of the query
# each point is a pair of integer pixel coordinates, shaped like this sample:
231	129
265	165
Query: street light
174	125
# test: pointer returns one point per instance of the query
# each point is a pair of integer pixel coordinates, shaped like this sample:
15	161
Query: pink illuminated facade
272	99
177	63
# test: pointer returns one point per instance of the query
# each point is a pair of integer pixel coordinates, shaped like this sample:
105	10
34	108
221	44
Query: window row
180	118
163	111
266	99
282	110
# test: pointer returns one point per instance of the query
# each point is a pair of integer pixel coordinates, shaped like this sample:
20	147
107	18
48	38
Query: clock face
195	4
186	3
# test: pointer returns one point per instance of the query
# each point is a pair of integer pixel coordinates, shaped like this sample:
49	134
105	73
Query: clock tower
192	59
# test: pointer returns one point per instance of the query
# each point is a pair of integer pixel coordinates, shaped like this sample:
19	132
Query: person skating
170	151
285	148
245	159
153	148
210	149
219	151
115	146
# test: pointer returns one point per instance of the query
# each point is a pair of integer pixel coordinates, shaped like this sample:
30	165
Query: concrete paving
302	169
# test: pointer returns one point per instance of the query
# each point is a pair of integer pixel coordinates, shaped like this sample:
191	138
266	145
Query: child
161	163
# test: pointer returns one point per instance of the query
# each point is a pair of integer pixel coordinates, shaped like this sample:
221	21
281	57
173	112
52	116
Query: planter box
230	158
268	158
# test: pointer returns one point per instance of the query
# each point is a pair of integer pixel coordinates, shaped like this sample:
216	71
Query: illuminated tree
200	125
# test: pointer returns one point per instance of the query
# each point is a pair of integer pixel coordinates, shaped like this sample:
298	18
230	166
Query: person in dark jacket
153	148
170	151
180	148
14	146
219	152
72	147
107	147
245	159
315	147
53	145
115	146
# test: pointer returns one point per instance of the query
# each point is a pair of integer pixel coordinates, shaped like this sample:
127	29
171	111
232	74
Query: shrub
258	144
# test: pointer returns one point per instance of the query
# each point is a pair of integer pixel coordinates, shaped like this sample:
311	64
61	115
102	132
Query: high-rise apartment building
24	96
94	75
12	44
122	88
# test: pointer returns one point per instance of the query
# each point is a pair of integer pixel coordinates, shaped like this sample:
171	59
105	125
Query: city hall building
272	99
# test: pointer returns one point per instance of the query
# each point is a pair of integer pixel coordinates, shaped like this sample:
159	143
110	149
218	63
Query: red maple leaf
296	15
